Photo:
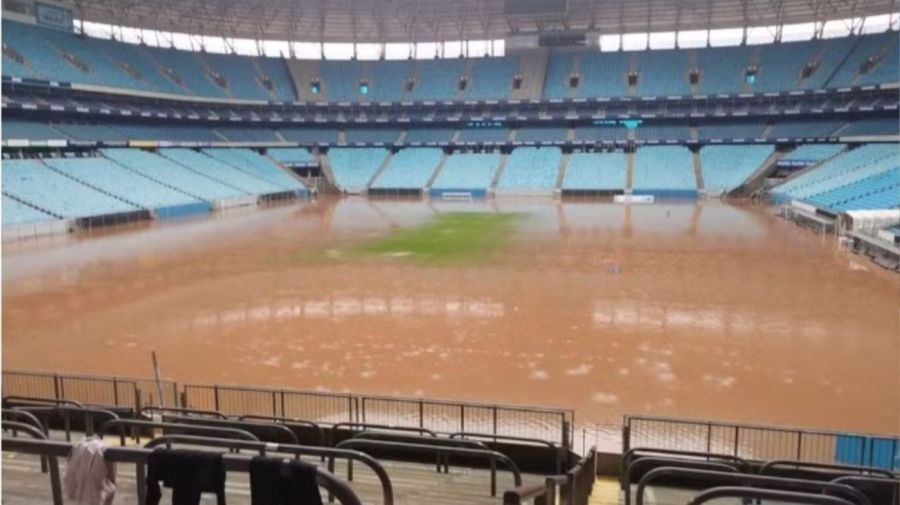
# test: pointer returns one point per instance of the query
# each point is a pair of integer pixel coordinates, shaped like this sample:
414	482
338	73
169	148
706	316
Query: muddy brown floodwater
709	310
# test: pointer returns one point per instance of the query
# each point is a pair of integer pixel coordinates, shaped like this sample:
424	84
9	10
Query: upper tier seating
163	170
221	172
354	167
596	171
437	79
33	182
185	133
491	78
88	131
114	179
291	155
56	55
16	212
727	167
667	168
410	168
845	169
257	165
813	152
531	168
468	171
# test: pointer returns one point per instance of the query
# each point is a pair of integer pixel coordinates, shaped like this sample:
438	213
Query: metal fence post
799	444
216	396
274	403
115	392
737	438
421	414
462	417
283	410
56	387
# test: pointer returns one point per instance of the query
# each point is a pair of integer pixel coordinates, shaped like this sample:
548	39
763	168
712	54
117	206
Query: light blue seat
531	168
560	66
116	180
291	155
467	172
248	134
387	80
841	170
354	167
664	170
437	79
830	54
279	75
866	46
88	131
662	73
341	80
309	135
257	165
161	169
219	171
863	127
887	70
32	130
541	134
788	128
491	78
150	77
813	152
409	168
780	65
727	167
723	69
239	73
189	69
603	74
33	182
16	212
596	171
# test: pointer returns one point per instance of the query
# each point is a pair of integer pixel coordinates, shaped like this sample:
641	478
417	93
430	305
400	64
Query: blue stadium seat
531	168
596	171
467	172
491	78
354	167
727	167
163	170
410	168
214	169
664	171
16	212
257	165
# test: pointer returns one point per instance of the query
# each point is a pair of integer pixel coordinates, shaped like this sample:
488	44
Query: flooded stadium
711	310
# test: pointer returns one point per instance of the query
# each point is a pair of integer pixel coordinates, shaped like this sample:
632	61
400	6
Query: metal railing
90	389
749	441
140	456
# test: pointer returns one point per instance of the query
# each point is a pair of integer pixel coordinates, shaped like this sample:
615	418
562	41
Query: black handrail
835	469
749	480
40	401
16	426
241	425
631	454
297	450
289	421
559	453
542	493
139	456
135	425
864	485
371	426
51	461
492	456
415	439
576	485
66	412
766	494
33	420
673	462
179	410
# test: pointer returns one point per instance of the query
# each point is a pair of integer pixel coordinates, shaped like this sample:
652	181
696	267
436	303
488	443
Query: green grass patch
463	237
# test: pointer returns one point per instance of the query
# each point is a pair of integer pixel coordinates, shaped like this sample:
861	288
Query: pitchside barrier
761	443
552	425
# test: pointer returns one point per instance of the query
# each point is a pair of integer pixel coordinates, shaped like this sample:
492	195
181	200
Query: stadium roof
440	20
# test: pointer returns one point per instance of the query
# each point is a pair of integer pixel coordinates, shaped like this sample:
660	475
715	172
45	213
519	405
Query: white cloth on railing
90	479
